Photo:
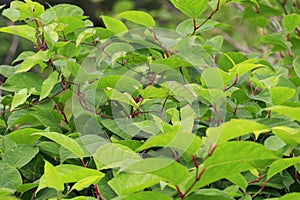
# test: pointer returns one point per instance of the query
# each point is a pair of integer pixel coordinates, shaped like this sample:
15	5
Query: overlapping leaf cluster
111	113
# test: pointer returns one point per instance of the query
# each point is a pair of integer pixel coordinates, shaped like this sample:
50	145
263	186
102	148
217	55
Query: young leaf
19	98
281	94
24	31
11	178
126	183
182	142
86	182
64	141
114	25
117	155
87	33
280	165
48	84
192	8
73	173
291	112
167	169
29	62
232	129
52	178
137	17
20	156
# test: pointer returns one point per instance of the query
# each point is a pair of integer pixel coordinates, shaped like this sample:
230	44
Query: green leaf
291	196
138	17
87	33
281	94
118	154
212	193
291	112
296	65
64	10
31	61
114	25
20	156
192	8
19	98
287	135
24	31
86	182
74	173
145	195
52	178
11	178
182	142
23	80
7	70
12	14
167	169
240	126
231	158
277	40
239	180
280	165
121	83
48	84
64	141
291	21
126	183
187	27
24	136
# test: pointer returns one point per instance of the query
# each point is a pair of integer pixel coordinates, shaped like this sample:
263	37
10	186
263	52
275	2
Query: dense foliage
132	111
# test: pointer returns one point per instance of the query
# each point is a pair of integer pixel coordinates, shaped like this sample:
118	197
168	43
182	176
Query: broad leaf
167	169
233	129
48	84
114	25
126	183
291	112
138	17
9	176
19	98
24	31
280	165
52	178
20	155
291	21
192	8
24	136
31	61
64	141
23	80
86	182
73	173
118	154
225	161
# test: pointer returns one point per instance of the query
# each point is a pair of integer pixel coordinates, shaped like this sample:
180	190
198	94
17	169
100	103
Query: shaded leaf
20	155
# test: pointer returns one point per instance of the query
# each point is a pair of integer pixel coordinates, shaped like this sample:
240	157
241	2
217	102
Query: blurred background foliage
239	33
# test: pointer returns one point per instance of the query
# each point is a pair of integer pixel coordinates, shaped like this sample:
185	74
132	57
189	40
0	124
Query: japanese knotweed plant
152	113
